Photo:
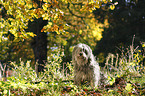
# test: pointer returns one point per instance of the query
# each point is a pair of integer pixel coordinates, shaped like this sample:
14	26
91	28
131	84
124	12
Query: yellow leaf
110	90
112	7
143	45
105	1
31	34
50	23
45	1
97	6
64	42
128	87
5	91
45	6
132	64
80	32
29	6
45	16
35	5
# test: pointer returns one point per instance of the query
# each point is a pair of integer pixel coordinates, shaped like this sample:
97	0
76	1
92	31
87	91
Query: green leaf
128	87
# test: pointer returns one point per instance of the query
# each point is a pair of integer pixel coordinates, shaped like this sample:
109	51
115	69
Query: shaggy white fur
86	69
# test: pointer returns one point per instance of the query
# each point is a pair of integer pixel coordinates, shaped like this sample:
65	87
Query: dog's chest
84	69
84	73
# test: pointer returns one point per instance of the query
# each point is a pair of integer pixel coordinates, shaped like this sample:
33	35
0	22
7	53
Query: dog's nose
81	54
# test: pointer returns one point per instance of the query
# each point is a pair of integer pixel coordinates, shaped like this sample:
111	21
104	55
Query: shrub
25	81
126	67
129	66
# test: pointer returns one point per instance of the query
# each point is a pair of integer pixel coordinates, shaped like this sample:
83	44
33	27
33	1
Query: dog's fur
86	69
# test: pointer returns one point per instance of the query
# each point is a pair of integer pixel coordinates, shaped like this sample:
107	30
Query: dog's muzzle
82	56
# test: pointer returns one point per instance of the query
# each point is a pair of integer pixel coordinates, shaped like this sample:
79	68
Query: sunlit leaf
5	91
128	87
30	34
112	7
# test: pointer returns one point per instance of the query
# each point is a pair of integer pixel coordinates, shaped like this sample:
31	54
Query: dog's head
82	53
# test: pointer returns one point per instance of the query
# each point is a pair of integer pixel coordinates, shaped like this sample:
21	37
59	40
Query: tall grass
52	82
26	81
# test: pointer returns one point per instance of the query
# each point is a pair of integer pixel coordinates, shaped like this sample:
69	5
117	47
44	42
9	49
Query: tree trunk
39	43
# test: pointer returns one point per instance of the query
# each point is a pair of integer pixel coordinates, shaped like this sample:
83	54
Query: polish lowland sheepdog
86	69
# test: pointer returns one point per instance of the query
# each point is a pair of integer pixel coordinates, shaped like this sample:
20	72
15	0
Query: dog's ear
91	56
89	51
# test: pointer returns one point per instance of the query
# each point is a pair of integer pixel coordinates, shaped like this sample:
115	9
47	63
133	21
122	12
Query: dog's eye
86	52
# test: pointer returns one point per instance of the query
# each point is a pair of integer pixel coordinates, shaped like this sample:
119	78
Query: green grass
125	76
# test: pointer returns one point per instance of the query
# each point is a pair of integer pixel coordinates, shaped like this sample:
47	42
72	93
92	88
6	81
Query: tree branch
73	13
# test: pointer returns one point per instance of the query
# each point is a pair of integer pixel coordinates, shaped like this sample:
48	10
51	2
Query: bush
125	72
25	81
125	76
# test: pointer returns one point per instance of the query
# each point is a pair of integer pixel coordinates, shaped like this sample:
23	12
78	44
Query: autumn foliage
64	16
62	24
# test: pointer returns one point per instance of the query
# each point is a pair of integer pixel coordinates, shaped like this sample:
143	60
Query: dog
86	69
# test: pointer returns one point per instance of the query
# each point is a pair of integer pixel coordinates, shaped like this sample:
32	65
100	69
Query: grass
125	76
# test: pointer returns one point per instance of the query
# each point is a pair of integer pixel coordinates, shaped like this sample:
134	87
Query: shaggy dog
86	69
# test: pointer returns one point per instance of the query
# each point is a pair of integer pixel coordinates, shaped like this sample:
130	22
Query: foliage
3	48
129	63
53	81
125	72
68	21
58	14
12	51
25	81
